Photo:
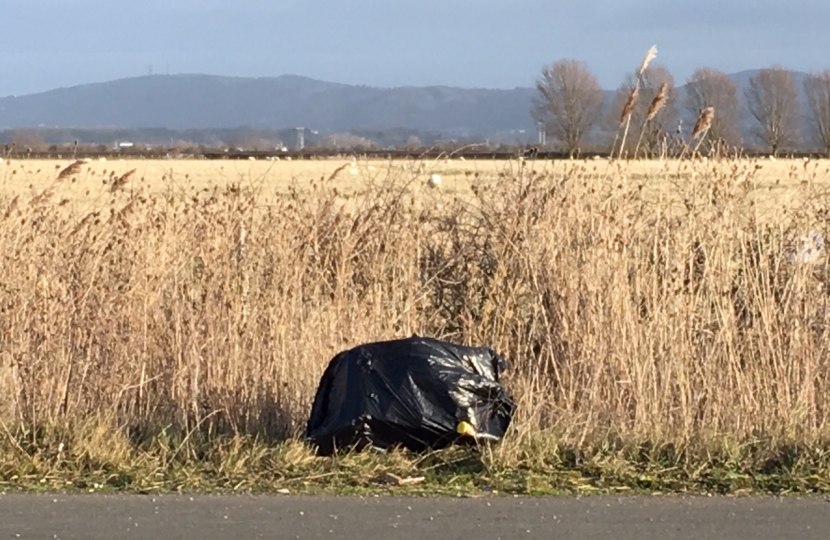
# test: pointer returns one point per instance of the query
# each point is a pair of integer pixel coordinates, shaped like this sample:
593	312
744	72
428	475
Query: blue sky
46	44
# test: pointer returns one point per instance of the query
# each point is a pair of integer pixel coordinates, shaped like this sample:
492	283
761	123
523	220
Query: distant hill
194	102
206	101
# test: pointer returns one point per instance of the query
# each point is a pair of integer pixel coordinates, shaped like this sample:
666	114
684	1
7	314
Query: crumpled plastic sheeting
420	393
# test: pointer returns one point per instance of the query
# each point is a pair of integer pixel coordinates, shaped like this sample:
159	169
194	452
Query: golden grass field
776	180
640	303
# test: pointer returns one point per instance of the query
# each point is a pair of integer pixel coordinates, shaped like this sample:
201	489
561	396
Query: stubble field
665	322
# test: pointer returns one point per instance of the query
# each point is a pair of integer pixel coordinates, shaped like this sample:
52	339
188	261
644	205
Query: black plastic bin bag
417	392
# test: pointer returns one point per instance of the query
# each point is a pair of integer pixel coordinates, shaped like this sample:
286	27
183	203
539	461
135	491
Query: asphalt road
93	517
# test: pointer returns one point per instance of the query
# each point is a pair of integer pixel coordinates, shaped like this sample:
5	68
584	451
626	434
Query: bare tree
713	88
569	102
413	142
28	140
773	102
661	121
817	90
346	141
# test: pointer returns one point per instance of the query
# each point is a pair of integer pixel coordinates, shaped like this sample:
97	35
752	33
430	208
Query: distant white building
123	145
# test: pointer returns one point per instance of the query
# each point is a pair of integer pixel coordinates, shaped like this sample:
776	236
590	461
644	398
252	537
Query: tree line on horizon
646	117
570	107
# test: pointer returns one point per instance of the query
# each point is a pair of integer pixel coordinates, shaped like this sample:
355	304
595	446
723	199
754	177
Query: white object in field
353	171
102	159
808	248
772	158
86	160
251	158
434	180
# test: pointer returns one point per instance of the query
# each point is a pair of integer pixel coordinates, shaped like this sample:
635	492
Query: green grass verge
100	460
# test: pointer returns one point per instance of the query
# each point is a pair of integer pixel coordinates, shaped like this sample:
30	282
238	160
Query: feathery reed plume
625	117
84	222
11	208
337	171
121	181
704	122
628	108
42	197
71	170
656	105
659	101
650	55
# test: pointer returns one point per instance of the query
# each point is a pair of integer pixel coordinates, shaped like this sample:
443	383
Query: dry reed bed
88	189
674	318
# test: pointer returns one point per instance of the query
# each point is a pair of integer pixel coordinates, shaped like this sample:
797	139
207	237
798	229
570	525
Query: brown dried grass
671	318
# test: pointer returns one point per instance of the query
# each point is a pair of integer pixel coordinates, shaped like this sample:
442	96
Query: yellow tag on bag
465	428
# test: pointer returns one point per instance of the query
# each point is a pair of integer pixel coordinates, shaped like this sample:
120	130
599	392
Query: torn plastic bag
417	392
